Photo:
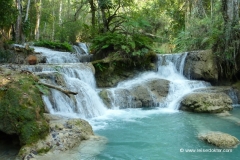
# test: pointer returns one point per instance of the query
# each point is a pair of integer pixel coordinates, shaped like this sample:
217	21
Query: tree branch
59	89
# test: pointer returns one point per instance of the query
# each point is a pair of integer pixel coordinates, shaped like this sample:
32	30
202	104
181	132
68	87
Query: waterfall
57	56
232	94
170	68
177	59
82	52
64	70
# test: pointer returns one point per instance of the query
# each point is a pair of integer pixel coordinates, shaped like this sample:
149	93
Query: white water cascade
65	70
76	77
170	68
82	52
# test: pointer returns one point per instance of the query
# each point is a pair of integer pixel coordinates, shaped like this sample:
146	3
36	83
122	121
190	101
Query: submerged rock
219	139
206	102
201	65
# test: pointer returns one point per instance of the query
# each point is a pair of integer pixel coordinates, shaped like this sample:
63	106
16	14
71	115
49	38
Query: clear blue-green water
154	134
165	136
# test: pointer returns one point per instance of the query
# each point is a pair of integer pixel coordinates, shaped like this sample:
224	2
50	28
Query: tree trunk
38	4
104	19
93	10
198	9
67	92
227	47
103	15
27	12
68	9
53	23
25	21
18	28
60	13
230	11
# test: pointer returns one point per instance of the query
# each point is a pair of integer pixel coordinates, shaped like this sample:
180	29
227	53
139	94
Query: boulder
206	102
201	65
64	134
41	58
159	88
147	94
143	95
119	97
229	90
219	139
32	59
104	95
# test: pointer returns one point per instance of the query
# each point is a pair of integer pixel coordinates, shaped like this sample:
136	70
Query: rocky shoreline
64	134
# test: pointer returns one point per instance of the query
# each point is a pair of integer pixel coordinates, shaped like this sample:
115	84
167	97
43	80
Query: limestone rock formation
148	94
219	139
201	65
204	102
64	135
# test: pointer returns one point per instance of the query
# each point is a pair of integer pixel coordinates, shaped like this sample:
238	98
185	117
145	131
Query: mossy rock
116	68
219	139
21	107
203	102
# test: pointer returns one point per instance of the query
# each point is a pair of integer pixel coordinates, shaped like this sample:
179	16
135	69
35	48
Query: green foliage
227	51
5	56
43	89
26	27
100	66
105	4
22	108
201	34
54	45
8	13
126	45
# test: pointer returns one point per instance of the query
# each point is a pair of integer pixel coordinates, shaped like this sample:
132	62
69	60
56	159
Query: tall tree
227	47
38	4
93	12
18	26
8	16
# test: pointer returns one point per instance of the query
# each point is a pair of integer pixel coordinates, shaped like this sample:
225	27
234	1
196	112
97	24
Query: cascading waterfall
170	67
57	56
77	77
82	52
177	59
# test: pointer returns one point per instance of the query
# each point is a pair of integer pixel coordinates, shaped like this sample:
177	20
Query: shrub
5	56
55	45
127	45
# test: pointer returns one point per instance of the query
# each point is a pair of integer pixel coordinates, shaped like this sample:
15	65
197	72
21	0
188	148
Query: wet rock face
206	102
148	94
219	139
201	65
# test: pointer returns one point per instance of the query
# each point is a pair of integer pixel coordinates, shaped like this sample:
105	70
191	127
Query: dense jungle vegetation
129	28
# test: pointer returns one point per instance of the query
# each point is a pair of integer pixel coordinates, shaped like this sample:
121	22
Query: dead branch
59	89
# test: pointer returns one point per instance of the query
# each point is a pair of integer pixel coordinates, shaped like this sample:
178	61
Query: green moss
237	85
43	150
21	109
55	45
115	67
